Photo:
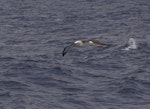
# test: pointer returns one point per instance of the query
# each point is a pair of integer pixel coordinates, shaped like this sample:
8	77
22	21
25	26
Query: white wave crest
131	44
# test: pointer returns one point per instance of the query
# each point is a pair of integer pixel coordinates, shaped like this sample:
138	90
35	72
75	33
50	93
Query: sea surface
35	75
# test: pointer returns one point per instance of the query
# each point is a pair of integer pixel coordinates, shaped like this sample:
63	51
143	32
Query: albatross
81	43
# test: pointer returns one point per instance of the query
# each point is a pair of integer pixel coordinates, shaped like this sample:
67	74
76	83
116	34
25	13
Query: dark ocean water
34	75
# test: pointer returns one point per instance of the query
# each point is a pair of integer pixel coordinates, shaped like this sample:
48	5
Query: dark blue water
34	75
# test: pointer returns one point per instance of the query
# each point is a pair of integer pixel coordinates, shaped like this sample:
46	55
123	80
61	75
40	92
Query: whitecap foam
131	44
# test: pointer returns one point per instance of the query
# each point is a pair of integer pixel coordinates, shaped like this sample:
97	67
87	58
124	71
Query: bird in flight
81	43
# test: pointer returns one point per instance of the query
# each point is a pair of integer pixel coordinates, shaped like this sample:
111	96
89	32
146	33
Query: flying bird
81	43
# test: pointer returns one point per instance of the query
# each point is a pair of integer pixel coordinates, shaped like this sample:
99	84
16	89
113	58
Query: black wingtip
65	50
63	54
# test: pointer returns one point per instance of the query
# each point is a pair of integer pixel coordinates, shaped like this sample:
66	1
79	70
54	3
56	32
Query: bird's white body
78	42
81	43
91	42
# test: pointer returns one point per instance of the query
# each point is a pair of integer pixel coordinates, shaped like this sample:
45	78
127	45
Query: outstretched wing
66	49
99	43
